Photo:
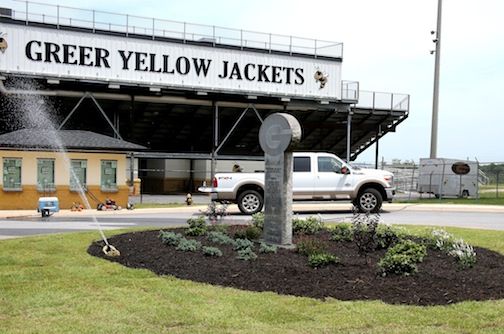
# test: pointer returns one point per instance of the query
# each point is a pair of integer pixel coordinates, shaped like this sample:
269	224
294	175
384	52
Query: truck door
330	181
302	178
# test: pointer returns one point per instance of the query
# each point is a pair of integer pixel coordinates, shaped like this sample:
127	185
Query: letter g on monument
278	133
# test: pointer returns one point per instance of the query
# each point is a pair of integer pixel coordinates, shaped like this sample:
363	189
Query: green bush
310	225
342	232
402	258
212	251
187	245
219	228
399	264
170	238
318	260
252	233
243	244
265	248
410	248
246	254
310	246
220	238
258	220
197	226
386	236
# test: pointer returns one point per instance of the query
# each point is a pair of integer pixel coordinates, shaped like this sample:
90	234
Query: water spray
37	115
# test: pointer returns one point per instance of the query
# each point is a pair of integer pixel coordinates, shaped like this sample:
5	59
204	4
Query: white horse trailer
448	177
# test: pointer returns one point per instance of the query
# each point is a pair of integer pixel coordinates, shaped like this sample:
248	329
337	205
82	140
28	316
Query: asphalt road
414	215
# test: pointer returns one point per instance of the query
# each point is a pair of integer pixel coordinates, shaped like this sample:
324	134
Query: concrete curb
314	207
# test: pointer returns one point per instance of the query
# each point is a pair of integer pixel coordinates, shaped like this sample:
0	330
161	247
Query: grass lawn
51	285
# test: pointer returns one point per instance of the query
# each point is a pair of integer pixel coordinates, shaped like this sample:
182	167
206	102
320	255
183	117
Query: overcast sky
386	49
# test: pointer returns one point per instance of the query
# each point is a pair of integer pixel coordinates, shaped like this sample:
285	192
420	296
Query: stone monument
278	136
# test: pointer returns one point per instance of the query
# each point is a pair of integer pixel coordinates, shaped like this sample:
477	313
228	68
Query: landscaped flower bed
324	264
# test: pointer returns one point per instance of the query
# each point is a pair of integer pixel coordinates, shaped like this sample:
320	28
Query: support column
215	142
378	133
349	136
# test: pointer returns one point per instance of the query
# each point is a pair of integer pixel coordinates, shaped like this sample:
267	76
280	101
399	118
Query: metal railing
95	20
383	101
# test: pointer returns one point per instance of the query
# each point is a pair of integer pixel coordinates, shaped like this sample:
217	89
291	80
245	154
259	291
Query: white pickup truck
317	176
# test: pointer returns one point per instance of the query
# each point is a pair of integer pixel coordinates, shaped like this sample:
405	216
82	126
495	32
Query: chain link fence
437	178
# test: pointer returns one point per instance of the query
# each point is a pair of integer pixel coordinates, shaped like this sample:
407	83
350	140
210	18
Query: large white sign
66	54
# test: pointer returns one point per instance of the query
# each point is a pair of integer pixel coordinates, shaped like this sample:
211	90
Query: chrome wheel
250	202
368	201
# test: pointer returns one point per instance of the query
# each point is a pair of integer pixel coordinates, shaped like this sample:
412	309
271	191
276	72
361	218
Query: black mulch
439	280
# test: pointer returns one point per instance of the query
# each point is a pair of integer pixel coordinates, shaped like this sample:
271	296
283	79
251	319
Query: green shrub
197	226
342	232
310	225
220	238
410	248
212	251
310	246
318	260
246	254
243	244
258	220
252	233
265	248
187	245
386	236
170	238
402	258
399	264
219	228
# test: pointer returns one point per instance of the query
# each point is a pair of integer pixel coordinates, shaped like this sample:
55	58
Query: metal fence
421	179
95	20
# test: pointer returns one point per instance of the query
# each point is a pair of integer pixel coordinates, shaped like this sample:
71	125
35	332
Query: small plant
252	233
464	253
170	238
399	264
402	258
242	244
220	228
187	245
246	254
265	248
342	232
417	252
318	260
364	230
215	212
309	246
212	251
258	220
440	239
249	232
220	238
310	225
197	226
386	236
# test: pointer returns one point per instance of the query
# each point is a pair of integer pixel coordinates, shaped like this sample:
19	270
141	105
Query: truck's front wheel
250	202
369	200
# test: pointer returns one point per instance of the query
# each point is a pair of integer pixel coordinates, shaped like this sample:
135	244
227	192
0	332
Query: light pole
435	98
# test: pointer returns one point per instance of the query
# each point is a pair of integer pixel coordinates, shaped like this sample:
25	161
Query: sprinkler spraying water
34	112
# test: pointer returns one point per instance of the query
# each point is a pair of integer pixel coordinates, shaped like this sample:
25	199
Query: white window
109	175
78	171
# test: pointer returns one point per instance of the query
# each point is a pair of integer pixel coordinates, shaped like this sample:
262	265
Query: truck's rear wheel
250	202
369	200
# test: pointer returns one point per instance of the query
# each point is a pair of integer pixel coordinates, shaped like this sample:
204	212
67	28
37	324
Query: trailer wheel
465	193
250	202
369	200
